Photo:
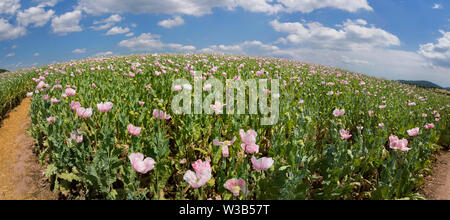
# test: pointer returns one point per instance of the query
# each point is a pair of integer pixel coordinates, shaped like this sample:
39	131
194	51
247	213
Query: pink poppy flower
398	144
51	120
201	175
105	107
133	130
46	97
382	106
70	92
177	88
29	94
413	132
235	186
424	115
338	113
53	100
79	139
249	141
160	114
84	112
139	164
63	95
225	151
262	164
42	86
74	105
429	126
141	103
225	144
207	87
93	85
381	125
217	107
371	113
345	135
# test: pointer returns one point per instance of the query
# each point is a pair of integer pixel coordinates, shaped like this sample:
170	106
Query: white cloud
130	35
34	15
202	7
107	23
36	54
307	6
255	48
79	51
10	55
104	54
67	23
260	6
350	35
437	6
439	53
118	30
9	6
151	42
170	23
46	3
10	32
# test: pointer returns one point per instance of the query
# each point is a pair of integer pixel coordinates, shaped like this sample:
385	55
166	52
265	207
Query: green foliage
311	159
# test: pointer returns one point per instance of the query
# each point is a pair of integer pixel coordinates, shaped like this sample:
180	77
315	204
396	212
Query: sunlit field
105	129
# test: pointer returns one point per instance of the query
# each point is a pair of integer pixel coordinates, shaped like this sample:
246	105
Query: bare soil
21	176
437	186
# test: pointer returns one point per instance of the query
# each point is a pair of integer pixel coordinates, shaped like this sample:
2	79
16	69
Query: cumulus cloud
67	23
9	31
118	30
151	42
170	23
104	54
437	6
352	34
438	53
79	51
9	6
34	15
307	6
259	6
255	48
10	55
36	54
46	3
202	7
107	23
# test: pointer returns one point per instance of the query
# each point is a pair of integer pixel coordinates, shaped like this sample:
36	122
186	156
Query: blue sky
392	39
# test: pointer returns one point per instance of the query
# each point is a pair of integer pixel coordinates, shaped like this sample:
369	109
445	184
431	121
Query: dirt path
437	186
21	177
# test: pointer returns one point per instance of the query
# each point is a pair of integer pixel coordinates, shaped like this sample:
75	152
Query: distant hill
2	70
448	88
421	83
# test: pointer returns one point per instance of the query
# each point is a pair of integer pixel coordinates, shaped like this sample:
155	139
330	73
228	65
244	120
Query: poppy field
105	129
